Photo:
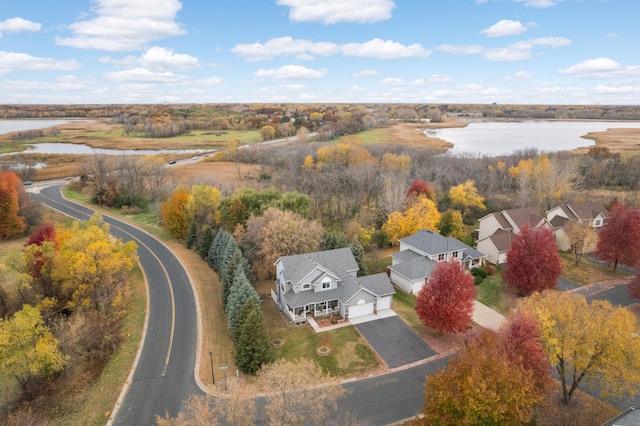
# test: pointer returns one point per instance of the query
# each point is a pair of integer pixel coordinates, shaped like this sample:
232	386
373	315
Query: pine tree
358	253
207	241
240	293
225	254
250	338
236	263
218	243
192	235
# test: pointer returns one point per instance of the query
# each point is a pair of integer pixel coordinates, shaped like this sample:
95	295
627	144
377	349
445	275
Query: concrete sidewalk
486	317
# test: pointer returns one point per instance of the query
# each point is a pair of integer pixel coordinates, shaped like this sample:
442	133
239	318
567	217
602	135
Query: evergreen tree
225	254
240	293
358	253
192	234
236	263
207	241
220	241
251	345
332	240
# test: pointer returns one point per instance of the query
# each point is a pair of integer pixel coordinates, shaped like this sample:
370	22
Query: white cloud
157	58
16	25
144	76
601	68
519	76
285	46
121	25
306	49
473	49
292	72
506	54
384	49
11	61
551	41
365	73
336	11
539	3
399	82
505	27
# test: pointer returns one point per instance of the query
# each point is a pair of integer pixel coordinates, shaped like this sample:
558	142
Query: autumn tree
421	214
11	223
173	213
202	205
582	239
451	225
298	392
466	199
634	286
587	342
445	302
619	239
282	233
239	410
533	262
481	386
28	349
543	181
420	187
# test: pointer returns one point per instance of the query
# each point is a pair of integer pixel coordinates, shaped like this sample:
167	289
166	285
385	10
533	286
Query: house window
455	254
441	256
326	284
306	286
597	222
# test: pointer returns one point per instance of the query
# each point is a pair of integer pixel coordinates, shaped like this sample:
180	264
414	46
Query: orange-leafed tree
421	187
533	262
174	213
11	223
481	386
619	239
421	214
445	302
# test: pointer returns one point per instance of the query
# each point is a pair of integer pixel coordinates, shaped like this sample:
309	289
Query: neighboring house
419	254
326	282
593	215
497	230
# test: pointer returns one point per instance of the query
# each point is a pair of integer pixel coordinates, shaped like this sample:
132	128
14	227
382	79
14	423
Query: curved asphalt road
164	376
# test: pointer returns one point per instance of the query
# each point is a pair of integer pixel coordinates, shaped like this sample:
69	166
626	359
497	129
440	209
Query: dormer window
597	222
306	286
326	283
441	256
455	254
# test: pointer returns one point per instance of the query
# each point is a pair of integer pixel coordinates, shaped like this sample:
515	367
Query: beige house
497	230
561	219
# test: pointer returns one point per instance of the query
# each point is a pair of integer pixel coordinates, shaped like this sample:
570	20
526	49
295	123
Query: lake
502	138
7	126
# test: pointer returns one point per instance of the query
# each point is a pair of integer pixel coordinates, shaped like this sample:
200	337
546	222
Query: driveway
394	341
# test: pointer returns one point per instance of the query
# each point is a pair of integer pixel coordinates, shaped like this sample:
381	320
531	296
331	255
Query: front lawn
350	354
587	272
495	293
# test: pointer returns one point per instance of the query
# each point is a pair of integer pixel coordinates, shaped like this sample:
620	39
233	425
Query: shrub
491	270
477	279
479	272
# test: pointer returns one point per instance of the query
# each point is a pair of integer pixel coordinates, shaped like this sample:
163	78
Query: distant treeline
34	133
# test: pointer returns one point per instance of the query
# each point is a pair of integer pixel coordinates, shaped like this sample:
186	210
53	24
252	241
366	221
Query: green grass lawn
404	305
350	354
375	136
491	292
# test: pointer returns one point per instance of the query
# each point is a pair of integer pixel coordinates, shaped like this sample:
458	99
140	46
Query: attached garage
384	302
361	308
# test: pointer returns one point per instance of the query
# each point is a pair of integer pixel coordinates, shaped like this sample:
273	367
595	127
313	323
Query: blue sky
401	51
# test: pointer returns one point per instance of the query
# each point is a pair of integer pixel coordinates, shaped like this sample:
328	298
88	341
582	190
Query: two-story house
419	254
326	282
497	230
593	215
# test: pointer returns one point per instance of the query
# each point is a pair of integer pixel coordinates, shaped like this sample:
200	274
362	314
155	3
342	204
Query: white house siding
562	240
417	286
488	225
400	281
490	251
384	302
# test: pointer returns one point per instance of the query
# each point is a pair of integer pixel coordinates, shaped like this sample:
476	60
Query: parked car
172	162
28	182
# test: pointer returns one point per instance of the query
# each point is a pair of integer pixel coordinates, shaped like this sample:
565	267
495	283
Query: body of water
502	138
73	148
8	126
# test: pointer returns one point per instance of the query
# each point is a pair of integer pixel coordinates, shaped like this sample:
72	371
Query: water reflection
72	148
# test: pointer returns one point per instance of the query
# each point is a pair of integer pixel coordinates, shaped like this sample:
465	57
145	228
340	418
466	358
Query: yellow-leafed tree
587	342
173	213
465	197
421	214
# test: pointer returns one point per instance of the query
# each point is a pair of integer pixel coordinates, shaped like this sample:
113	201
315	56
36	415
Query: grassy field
375	136
587	272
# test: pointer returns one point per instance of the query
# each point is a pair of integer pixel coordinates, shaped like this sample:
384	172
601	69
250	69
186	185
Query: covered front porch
319	309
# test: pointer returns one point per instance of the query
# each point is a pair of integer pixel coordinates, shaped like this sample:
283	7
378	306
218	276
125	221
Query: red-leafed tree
619	239
445	302
11	223
521	341
420	187
634	287
38	254
533	262
44	232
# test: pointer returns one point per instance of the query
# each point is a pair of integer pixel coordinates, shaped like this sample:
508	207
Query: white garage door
384	302
360	309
